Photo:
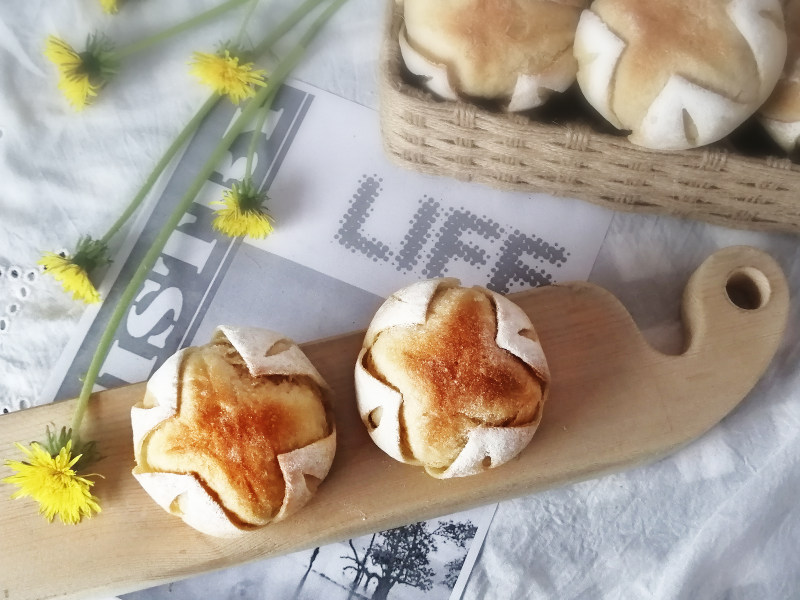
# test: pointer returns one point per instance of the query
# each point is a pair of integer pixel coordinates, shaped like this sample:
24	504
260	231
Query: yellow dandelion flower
109	6
53	484
226	75
73	278
73	272
73	81
242	212
81	74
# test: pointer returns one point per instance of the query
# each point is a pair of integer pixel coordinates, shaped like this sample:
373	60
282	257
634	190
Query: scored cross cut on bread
236	434
451	378
516	52
679	74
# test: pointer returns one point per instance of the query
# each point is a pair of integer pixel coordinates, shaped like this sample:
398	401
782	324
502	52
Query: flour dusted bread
235	434
780	115
514	51
451	378
679	73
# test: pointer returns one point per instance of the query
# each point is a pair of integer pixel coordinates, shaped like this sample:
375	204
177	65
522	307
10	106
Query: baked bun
515	51
780	115
451	378
679	73
235	434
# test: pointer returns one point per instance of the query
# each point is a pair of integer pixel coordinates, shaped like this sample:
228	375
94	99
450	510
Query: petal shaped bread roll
451	378
780	115
236	434
514	51
679	73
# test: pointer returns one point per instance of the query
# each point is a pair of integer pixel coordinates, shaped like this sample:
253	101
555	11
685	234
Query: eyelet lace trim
17	287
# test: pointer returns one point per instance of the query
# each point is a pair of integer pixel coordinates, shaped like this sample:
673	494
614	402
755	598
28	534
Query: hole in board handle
748	288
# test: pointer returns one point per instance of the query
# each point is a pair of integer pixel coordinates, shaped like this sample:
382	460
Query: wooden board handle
737	287
735	309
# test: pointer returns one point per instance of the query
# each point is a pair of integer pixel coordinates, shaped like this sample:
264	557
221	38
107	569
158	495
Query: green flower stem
243	28
134	47
279	75
288	23
282	29
251	148
312	31
173	149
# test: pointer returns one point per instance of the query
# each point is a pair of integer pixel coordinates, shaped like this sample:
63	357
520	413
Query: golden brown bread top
487	43
453	376
692	38
230	428
784	103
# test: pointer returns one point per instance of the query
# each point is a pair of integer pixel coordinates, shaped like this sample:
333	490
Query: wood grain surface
615	402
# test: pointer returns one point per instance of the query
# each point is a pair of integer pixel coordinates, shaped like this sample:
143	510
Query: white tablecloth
719	519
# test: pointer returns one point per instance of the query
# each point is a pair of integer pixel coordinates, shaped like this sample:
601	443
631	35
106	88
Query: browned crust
695	39
460	377
784	103
486	44
234	443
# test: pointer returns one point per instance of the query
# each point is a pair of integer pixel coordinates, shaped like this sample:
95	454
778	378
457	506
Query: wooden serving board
614	403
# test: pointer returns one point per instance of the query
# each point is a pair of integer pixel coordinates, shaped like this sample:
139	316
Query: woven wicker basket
570	155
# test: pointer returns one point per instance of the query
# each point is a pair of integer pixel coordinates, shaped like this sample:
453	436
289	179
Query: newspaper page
350	228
